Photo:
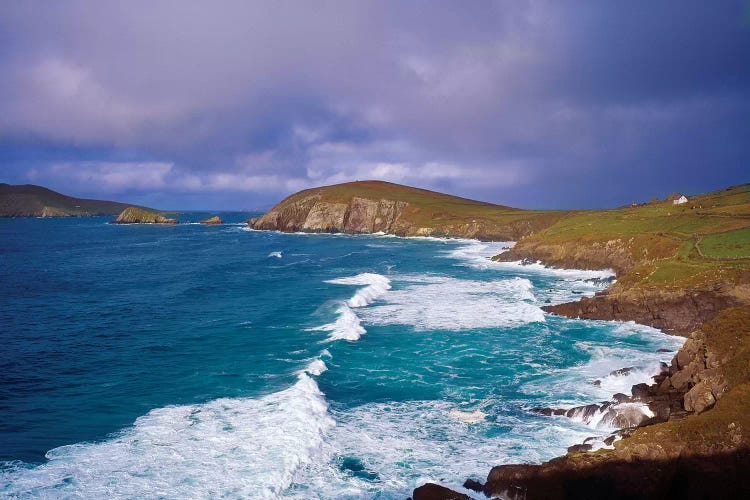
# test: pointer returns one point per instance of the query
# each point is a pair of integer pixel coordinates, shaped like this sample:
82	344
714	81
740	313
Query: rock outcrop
676	310
134	215
431	491
213	220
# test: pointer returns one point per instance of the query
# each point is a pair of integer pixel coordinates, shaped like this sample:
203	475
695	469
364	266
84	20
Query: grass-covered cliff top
658	243
426	208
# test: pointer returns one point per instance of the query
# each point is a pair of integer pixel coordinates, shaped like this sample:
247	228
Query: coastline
640	417
653	459
656	448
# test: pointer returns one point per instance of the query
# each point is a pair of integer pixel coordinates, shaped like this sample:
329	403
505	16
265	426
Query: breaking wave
226	447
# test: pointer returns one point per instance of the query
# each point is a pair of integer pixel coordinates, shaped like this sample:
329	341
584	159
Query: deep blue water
190	361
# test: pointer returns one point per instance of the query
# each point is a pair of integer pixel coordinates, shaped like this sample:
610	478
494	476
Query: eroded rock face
360	215
134	215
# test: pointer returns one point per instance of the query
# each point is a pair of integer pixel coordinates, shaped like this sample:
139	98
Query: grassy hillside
667	243
28	200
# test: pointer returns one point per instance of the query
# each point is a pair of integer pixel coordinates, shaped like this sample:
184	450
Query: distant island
28	200
682	265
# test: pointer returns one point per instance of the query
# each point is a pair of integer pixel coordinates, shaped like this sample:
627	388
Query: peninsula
682	264
28	200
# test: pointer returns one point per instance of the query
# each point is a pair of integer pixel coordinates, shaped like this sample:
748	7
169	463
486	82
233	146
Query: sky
234	105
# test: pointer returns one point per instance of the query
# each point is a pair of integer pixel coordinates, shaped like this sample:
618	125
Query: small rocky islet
135	215
212	221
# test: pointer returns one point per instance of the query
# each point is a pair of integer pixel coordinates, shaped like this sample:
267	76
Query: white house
680	200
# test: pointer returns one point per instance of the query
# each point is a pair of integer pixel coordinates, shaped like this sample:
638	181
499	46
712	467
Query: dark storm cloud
528	103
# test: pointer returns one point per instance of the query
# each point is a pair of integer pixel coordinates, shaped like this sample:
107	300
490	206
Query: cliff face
371	207
315	214
134	215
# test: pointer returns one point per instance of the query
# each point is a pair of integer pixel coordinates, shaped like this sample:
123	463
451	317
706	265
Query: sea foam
348	326
444	303
250	448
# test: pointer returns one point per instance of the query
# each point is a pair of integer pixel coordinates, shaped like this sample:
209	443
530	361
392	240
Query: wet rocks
473	485
431	491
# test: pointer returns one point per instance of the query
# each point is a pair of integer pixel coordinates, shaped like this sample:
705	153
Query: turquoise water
192	361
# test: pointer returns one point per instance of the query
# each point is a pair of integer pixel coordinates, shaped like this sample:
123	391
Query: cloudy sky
232	105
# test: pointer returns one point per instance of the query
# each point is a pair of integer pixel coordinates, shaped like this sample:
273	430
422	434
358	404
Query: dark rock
641	391
547	412
473	485
622	371
431	491
664	350
715	476
597	383
583	412
610	439
621	398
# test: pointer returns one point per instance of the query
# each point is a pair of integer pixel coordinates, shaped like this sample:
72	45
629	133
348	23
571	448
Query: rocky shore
683	436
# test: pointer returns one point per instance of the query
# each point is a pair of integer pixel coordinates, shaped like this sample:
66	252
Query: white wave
596	380
239	448
405	444
442	303
468	417
610	417
346	327
478	254
275	254
316	367
376	286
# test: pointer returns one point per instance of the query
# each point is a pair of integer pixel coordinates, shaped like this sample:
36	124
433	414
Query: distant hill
28	200
377	206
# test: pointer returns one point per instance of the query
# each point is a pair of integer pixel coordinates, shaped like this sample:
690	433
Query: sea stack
135	215
213	220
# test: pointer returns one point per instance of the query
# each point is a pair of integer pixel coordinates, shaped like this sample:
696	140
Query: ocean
196	361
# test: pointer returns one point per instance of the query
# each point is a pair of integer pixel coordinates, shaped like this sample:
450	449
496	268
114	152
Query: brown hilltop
28	200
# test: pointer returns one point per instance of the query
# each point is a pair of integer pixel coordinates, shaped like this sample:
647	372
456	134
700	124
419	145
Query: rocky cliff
374	206
135	215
